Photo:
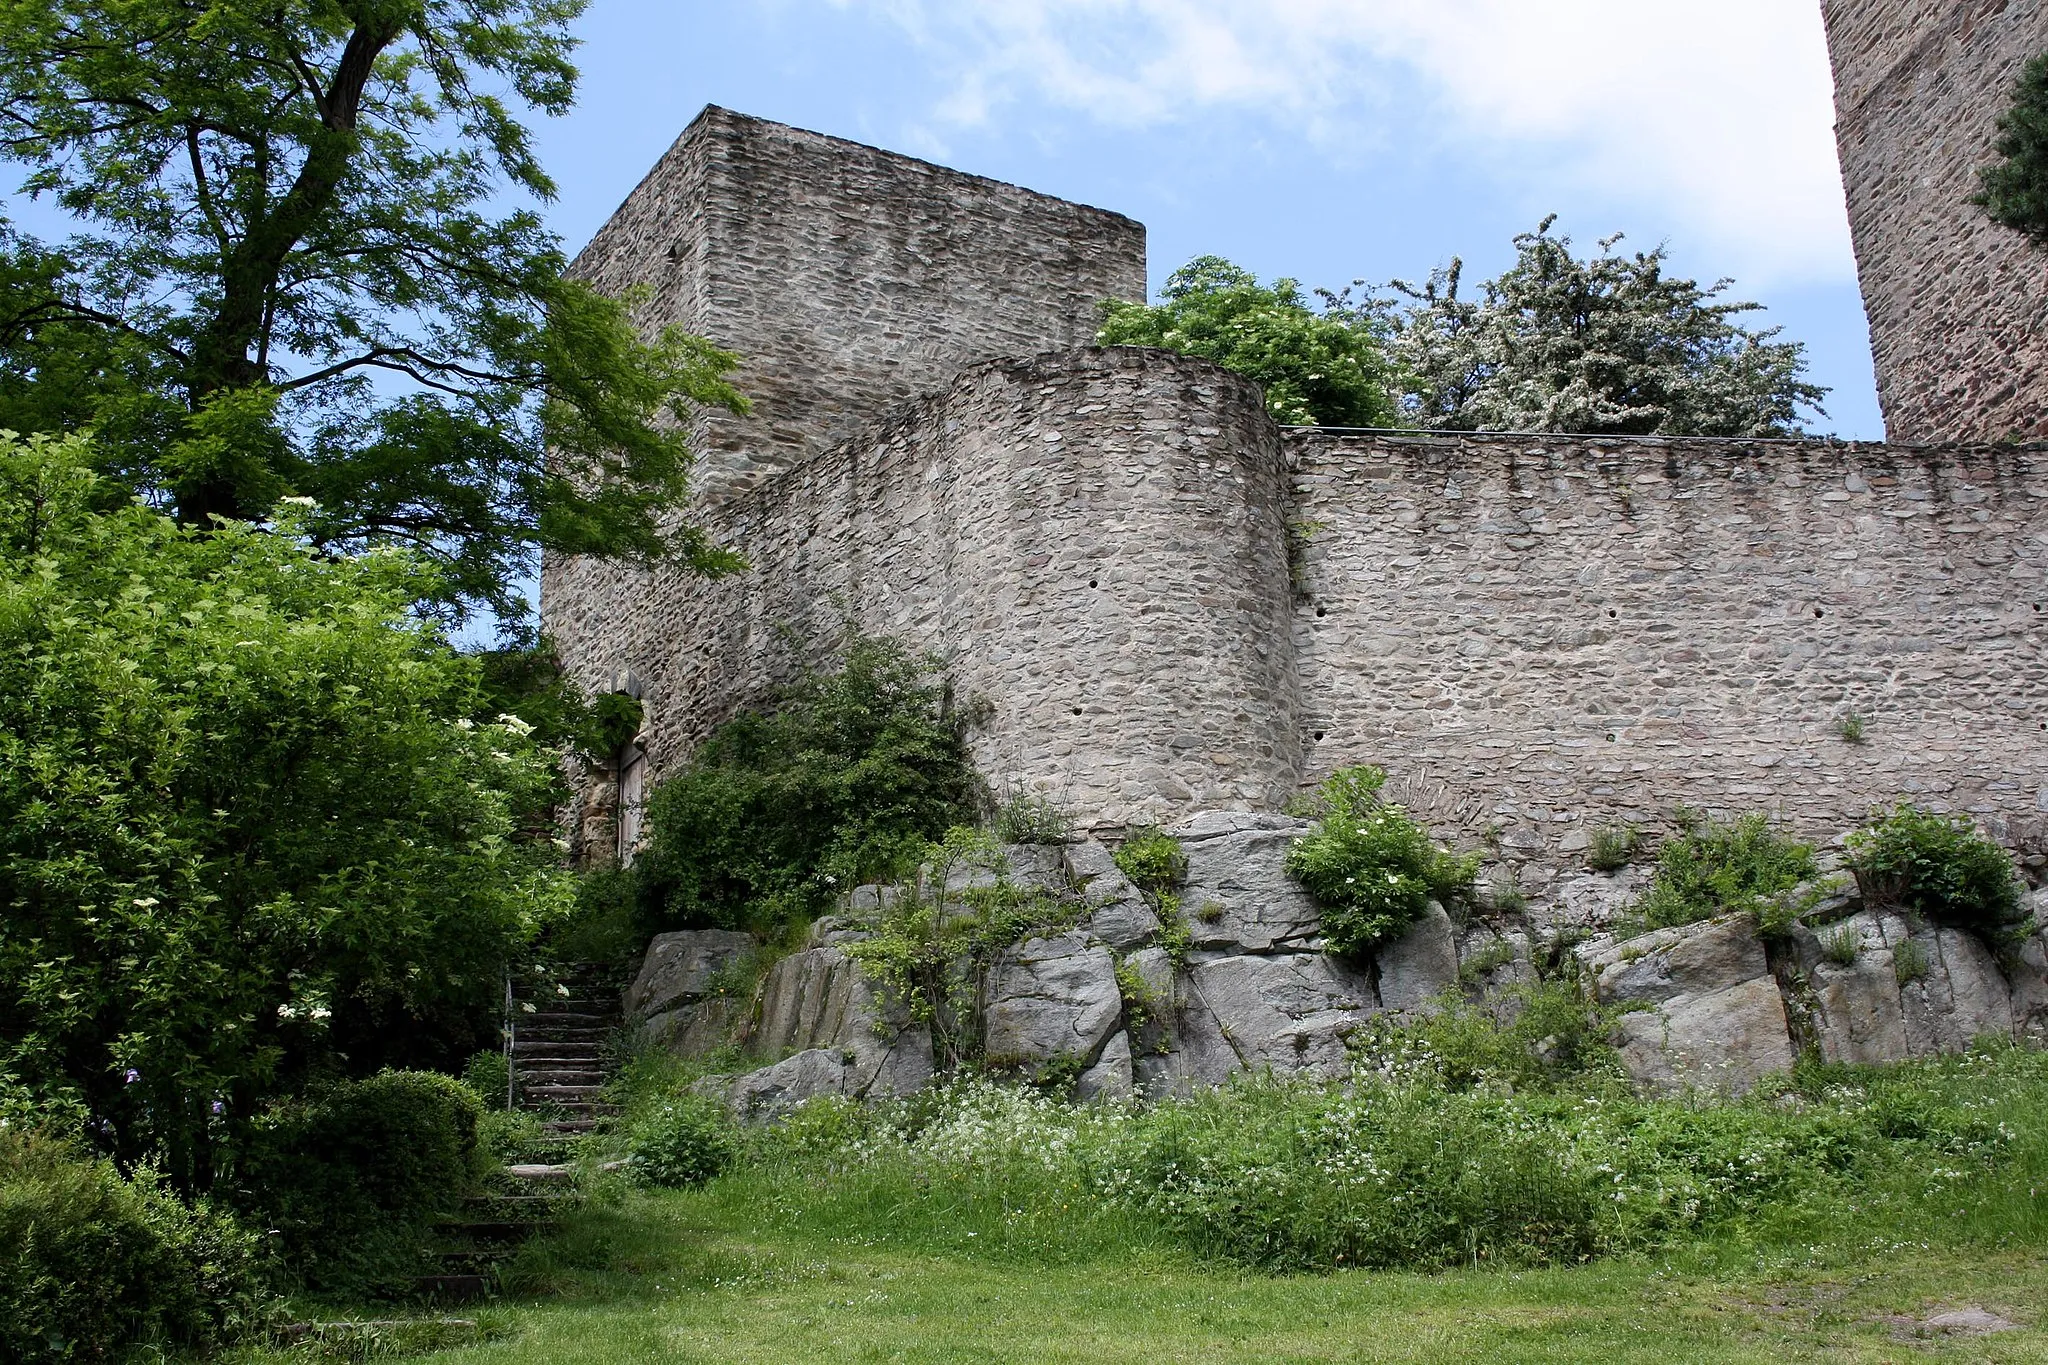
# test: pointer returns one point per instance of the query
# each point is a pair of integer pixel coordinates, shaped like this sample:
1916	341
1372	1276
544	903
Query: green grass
689	1277
841	1238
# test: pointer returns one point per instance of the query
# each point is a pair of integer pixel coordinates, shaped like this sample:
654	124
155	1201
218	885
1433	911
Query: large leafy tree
302	267
1317	370
1601	344
2014	190
250	829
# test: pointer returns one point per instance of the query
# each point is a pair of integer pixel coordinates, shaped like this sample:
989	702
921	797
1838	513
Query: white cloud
1716	112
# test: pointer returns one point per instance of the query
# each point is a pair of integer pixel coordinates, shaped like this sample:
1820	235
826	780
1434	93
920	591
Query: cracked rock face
1716	1018
679	966
1052	997
1238	896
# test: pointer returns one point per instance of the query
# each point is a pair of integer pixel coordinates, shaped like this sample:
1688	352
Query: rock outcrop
1238	980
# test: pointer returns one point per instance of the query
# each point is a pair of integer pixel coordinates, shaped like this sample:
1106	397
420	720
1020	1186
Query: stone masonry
1168	605
848	279
1958	305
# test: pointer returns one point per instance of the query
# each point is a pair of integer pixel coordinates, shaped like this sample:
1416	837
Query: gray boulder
820	999
1238	896
771	1092
1856	1012
1418	966
1715	1019
1052	997
1110	1078
679	966
1291	1012
1117	914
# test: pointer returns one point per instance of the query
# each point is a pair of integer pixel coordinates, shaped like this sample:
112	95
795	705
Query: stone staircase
559	1021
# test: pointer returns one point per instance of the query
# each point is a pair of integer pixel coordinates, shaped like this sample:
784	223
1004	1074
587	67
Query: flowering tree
1604	344
246	819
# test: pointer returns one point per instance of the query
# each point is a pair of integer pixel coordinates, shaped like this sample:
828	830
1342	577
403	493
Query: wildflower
131	1076
145	901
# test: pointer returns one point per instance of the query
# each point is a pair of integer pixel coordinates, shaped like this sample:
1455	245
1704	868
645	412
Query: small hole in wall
1818	613
1319	733
1322	611
1611	612
1091	582
1077	710
1613	739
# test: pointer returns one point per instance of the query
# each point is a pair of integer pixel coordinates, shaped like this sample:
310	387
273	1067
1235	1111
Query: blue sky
1324	139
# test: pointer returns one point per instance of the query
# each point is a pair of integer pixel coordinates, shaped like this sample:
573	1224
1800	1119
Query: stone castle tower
1958	305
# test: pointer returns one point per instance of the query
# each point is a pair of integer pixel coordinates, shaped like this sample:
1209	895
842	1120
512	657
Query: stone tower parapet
848	278
1958	305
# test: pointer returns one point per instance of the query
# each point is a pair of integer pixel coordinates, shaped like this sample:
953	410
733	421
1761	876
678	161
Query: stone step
562	1094
561	1075
558	1052
583	1037
570	1128
542	1172
492	1230
455	1288
568	1018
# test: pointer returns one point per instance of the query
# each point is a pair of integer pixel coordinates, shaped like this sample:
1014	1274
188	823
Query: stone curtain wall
1547	633
849	278
1095	539
1958	305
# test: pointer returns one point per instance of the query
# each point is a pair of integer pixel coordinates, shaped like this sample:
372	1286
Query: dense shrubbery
247	823
846	779
92	1265
1941	866
353	1177
685	1141
1709	869
1371	868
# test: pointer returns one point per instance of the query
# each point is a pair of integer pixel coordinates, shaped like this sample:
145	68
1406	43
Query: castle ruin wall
1094	540
1546	633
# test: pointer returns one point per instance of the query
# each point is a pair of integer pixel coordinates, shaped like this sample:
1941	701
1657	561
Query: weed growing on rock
1850	728
1710	869
1153	860
1371	868
1842	946
1613	847
1028	819
1942	866
1909	963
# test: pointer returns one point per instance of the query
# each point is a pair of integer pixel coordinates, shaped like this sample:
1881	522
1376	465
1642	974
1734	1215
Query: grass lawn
688	1277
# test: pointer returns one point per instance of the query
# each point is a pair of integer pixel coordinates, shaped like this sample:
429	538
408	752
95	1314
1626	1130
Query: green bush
686	1141
354	1177
92	1265
1943	867
489	1075
1613	847
248	823
1709	869
845	780
1370	867
1528	1037
1152	859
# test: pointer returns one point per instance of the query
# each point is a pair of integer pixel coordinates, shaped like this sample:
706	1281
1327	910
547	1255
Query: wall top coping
1646	444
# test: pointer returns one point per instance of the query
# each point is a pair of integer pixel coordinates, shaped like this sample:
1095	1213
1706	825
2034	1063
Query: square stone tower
1958	305
849	278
